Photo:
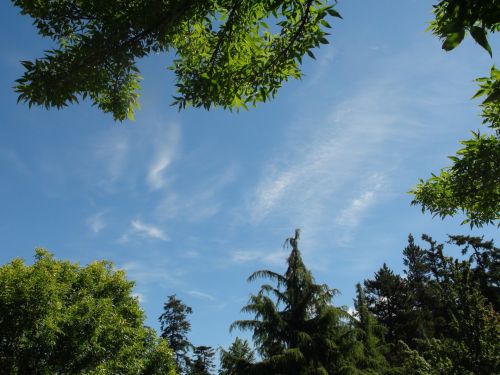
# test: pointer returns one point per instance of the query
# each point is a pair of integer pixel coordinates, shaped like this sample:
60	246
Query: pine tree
388	301
453	297
203	363
175	327
369	334
418	318
296	329
237	359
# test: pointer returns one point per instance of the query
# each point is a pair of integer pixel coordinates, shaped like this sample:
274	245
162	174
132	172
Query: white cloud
351	215
201	295
165	150
96	222
331	160
138	228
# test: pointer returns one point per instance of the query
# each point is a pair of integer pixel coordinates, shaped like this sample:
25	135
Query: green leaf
334	13
311	54
453	40
479	35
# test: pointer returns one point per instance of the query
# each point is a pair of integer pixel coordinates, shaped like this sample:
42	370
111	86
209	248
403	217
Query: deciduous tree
471	185
57	317
229	53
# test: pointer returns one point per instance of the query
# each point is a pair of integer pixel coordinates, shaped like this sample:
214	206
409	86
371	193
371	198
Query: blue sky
192	202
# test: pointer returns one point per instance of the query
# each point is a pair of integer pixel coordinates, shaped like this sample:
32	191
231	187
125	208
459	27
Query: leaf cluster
471	185
228	53
454	18
57	317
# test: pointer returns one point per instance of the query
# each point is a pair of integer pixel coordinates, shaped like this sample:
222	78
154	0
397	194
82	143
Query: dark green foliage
420	323
296	330
226	54
448	322
453	18
174	328
237	359
387	299
369	335
470	344
410	362
59	318
485	262
203	362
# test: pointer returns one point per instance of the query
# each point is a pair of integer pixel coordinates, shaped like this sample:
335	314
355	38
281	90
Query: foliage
472	184
471	345
174	328
485	265
448	321
203	363
411	362
296	330
369	335
387	300
489	87
229	53
237	359
454	18
59	318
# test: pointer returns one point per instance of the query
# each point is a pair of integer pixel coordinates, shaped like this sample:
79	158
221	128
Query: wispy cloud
201	295
166	148
141	229
96	223
351	215
332	177
149	231
344	151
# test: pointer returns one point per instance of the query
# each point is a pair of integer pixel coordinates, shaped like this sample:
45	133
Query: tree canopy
175	327
57	317
296	329
228	53
471	185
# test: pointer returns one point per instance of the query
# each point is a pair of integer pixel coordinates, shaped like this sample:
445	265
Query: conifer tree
387	300
237	359
296	329
418	319
369	335
203	363
174	327
457	298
